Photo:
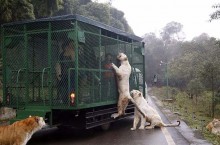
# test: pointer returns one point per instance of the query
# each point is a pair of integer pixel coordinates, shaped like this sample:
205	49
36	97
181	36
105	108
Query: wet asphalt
119	133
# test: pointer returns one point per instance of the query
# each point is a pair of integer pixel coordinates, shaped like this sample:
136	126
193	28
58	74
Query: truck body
31	51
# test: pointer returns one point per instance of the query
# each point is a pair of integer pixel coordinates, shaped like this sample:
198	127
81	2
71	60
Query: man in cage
66	61
107	64
108	75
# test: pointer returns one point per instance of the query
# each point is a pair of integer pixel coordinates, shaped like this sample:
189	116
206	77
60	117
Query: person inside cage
108	74
66	61
107	64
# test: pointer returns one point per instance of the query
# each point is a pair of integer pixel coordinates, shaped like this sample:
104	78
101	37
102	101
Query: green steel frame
31	49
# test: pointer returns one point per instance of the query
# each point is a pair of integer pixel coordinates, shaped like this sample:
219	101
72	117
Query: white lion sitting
150	114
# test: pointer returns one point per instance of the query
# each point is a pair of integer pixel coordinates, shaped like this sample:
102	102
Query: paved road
118	134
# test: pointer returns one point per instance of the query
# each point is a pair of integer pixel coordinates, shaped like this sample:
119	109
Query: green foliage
118	20
171	30
14	10
46	8
195	87
116	23
127	28
84	2
23	10
154	53
6	11
187	60
196	116
214	139
99	10
215	14
209	74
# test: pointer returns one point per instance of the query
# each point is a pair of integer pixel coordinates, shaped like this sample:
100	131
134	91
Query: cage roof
78	18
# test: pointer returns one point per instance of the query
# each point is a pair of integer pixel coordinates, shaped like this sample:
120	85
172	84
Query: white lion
150	114
122	73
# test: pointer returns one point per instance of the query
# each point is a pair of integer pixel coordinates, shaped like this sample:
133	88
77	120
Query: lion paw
149	127
141	127
133	128
115	115
113	65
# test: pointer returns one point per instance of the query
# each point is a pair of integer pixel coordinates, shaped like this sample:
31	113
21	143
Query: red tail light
72	98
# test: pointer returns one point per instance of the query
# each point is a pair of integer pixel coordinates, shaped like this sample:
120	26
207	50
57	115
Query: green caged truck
33	57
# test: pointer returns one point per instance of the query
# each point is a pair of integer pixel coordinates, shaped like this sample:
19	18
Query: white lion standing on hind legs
122	74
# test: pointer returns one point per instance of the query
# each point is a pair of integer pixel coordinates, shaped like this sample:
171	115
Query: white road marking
167	136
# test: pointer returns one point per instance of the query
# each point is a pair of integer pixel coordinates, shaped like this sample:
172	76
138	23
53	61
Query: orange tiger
20	132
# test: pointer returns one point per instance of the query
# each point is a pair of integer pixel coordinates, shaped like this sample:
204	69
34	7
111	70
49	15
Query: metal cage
32	49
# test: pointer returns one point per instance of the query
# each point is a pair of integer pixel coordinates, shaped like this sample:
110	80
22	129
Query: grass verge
195	111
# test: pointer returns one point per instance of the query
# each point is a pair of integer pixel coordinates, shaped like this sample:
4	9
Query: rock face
214	126
6	114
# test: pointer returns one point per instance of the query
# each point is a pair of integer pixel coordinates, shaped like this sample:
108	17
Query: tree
84	2
15	10
195	88
72	7
98	10
116	18
189	62
170	34
172	31
216	14
46	8
183	69
23	10
154	53
117	24
210	75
